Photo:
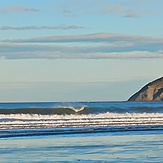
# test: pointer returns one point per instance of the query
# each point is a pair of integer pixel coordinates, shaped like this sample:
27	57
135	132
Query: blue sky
78	50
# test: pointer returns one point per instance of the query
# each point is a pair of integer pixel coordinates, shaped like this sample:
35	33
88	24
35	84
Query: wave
63	131
27	119
36	124
62	110
16	121
47	111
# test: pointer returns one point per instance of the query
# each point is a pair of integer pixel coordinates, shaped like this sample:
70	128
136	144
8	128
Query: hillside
153	91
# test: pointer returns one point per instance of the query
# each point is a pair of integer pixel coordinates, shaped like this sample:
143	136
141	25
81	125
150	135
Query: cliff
153	91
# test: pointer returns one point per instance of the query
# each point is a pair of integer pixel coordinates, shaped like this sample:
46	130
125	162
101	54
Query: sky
78	50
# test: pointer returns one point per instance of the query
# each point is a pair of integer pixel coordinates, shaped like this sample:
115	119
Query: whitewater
52	118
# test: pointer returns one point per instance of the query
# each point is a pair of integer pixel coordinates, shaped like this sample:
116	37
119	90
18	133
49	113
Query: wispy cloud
95	37
61	27
95	45
68	13
95	55
18	9
127	8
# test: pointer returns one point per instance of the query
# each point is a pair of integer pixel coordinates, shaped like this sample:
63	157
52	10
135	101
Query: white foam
73	108
17	121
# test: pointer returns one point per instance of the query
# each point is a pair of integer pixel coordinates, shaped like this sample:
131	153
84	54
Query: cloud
126	8
97	55
115	50
96	45
61	27
68	13
18	9
129	55
95	37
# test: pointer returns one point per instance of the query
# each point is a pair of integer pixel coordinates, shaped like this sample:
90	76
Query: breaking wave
47	111
28	124
22	120
62	110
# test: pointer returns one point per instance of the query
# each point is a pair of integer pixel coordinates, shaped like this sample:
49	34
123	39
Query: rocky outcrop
153	91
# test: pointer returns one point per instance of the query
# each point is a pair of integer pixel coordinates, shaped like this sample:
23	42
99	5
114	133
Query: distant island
153	91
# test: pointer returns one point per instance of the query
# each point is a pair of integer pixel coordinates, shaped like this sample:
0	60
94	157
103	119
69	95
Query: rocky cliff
153	91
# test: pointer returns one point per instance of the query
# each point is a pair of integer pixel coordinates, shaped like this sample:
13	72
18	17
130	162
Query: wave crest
61	110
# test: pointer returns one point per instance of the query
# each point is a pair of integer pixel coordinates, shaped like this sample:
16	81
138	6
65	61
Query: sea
86	132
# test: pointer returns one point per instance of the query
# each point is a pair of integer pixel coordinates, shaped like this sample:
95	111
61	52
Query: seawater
81	132
52	118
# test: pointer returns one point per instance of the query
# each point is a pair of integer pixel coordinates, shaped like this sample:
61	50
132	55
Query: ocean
81	132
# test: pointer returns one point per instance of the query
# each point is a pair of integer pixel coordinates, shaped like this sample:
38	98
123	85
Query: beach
90	132
140	146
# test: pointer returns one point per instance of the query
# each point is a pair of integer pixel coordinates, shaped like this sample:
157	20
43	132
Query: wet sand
140	146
